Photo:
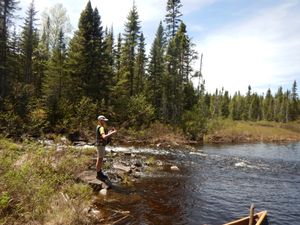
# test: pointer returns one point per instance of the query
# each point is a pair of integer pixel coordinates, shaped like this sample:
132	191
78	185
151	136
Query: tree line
52	83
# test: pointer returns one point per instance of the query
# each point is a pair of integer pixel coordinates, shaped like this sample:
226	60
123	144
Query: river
215	184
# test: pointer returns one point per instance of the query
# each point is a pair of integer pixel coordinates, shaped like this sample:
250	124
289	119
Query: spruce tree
248	100
177	56
236	106
29	42
268	106
225	105
140	65
156	70
85	61
278	105
7	10
172	17
129	50
254	108
118	57
55	82
109	69
294	110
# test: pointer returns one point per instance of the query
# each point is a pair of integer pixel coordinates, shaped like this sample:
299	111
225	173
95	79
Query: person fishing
102	139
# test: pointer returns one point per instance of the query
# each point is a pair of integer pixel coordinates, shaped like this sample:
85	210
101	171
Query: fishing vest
99	138
100	141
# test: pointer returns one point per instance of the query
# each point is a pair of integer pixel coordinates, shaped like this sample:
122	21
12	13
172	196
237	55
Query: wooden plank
262	218
251	215
259	217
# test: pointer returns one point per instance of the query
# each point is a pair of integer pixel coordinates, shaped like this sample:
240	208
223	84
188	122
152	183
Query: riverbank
41	181
38	184
228	131
219	131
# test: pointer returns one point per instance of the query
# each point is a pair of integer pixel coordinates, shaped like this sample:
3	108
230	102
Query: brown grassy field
228	131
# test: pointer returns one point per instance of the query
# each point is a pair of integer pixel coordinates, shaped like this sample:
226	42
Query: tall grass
34	181
249	131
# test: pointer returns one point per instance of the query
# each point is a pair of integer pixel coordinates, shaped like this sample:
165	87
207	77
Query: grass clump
33	181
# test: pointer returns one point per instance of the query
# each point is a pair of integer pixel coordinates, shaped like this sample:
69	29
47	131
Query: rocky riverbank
43	178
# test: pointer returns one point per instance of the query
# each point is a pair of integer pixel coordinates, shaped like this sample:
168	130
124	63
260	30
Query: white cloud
261	51
115	12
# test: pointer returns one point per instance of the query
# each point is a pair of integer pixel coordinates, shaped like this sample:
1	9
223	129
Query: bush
140	112
194	124
31	182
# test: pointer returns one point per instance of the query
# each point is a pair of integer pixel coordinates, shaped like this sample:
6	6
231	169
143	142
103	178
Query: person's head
102	119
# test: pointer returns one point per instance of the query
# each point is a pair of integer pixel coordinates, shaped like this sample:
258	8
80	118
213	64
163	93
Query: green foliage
38	120
172	17
128	67
4	201
84	113
140	112
195	123
31	177
79	191
156	71
48	86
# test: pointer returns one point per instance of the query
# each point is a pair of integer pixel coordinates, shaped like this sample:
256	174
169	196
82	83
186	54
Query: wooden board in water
259	219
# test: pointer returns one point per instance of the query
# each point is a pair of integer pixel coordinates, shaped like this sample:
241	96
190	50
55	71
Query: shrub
31	182
140	112
194	123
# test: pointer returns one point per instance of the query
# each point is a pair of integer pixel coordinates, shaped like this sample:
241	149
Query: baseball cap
101	117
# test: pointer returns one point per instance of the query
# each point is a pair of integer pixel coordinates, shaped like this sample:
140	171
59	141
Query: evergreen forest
53	83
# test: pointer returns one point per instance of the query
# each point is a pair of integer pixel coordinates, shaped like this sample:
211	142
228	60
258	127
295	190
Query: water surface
215	184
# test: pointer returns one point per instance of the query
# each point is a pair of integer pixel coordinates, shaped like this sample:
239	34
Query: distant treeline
52	84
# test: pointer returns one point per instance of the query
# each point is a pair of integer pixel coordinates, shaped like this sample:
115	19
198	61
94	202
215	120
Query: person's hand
113	130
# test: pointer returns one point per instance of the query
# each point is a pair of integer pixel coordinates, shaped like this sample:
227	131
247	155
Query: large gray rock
126	169
89	177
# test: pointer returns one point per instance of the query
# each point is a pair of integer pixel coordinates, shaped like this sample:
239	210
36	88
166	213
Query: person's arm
110	133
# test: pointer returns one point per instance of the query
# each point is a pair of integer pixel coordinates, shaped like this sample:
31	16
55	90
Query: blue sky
244	42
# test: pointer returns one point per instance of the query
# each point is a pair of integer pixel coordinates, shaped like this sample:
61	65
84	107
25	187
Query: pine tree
109	64
7	10
140	65
225	105
268	107
172	17
215	104
172	84
177	53
118	57
13	67
294	110
55	81
236	106
285	108
156	70
278	105
254	108
129	49
248	100
29	43
85	61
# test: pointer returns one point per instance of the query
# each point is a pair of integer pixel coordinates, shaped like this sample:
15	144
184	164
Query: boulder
89	177
121	167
